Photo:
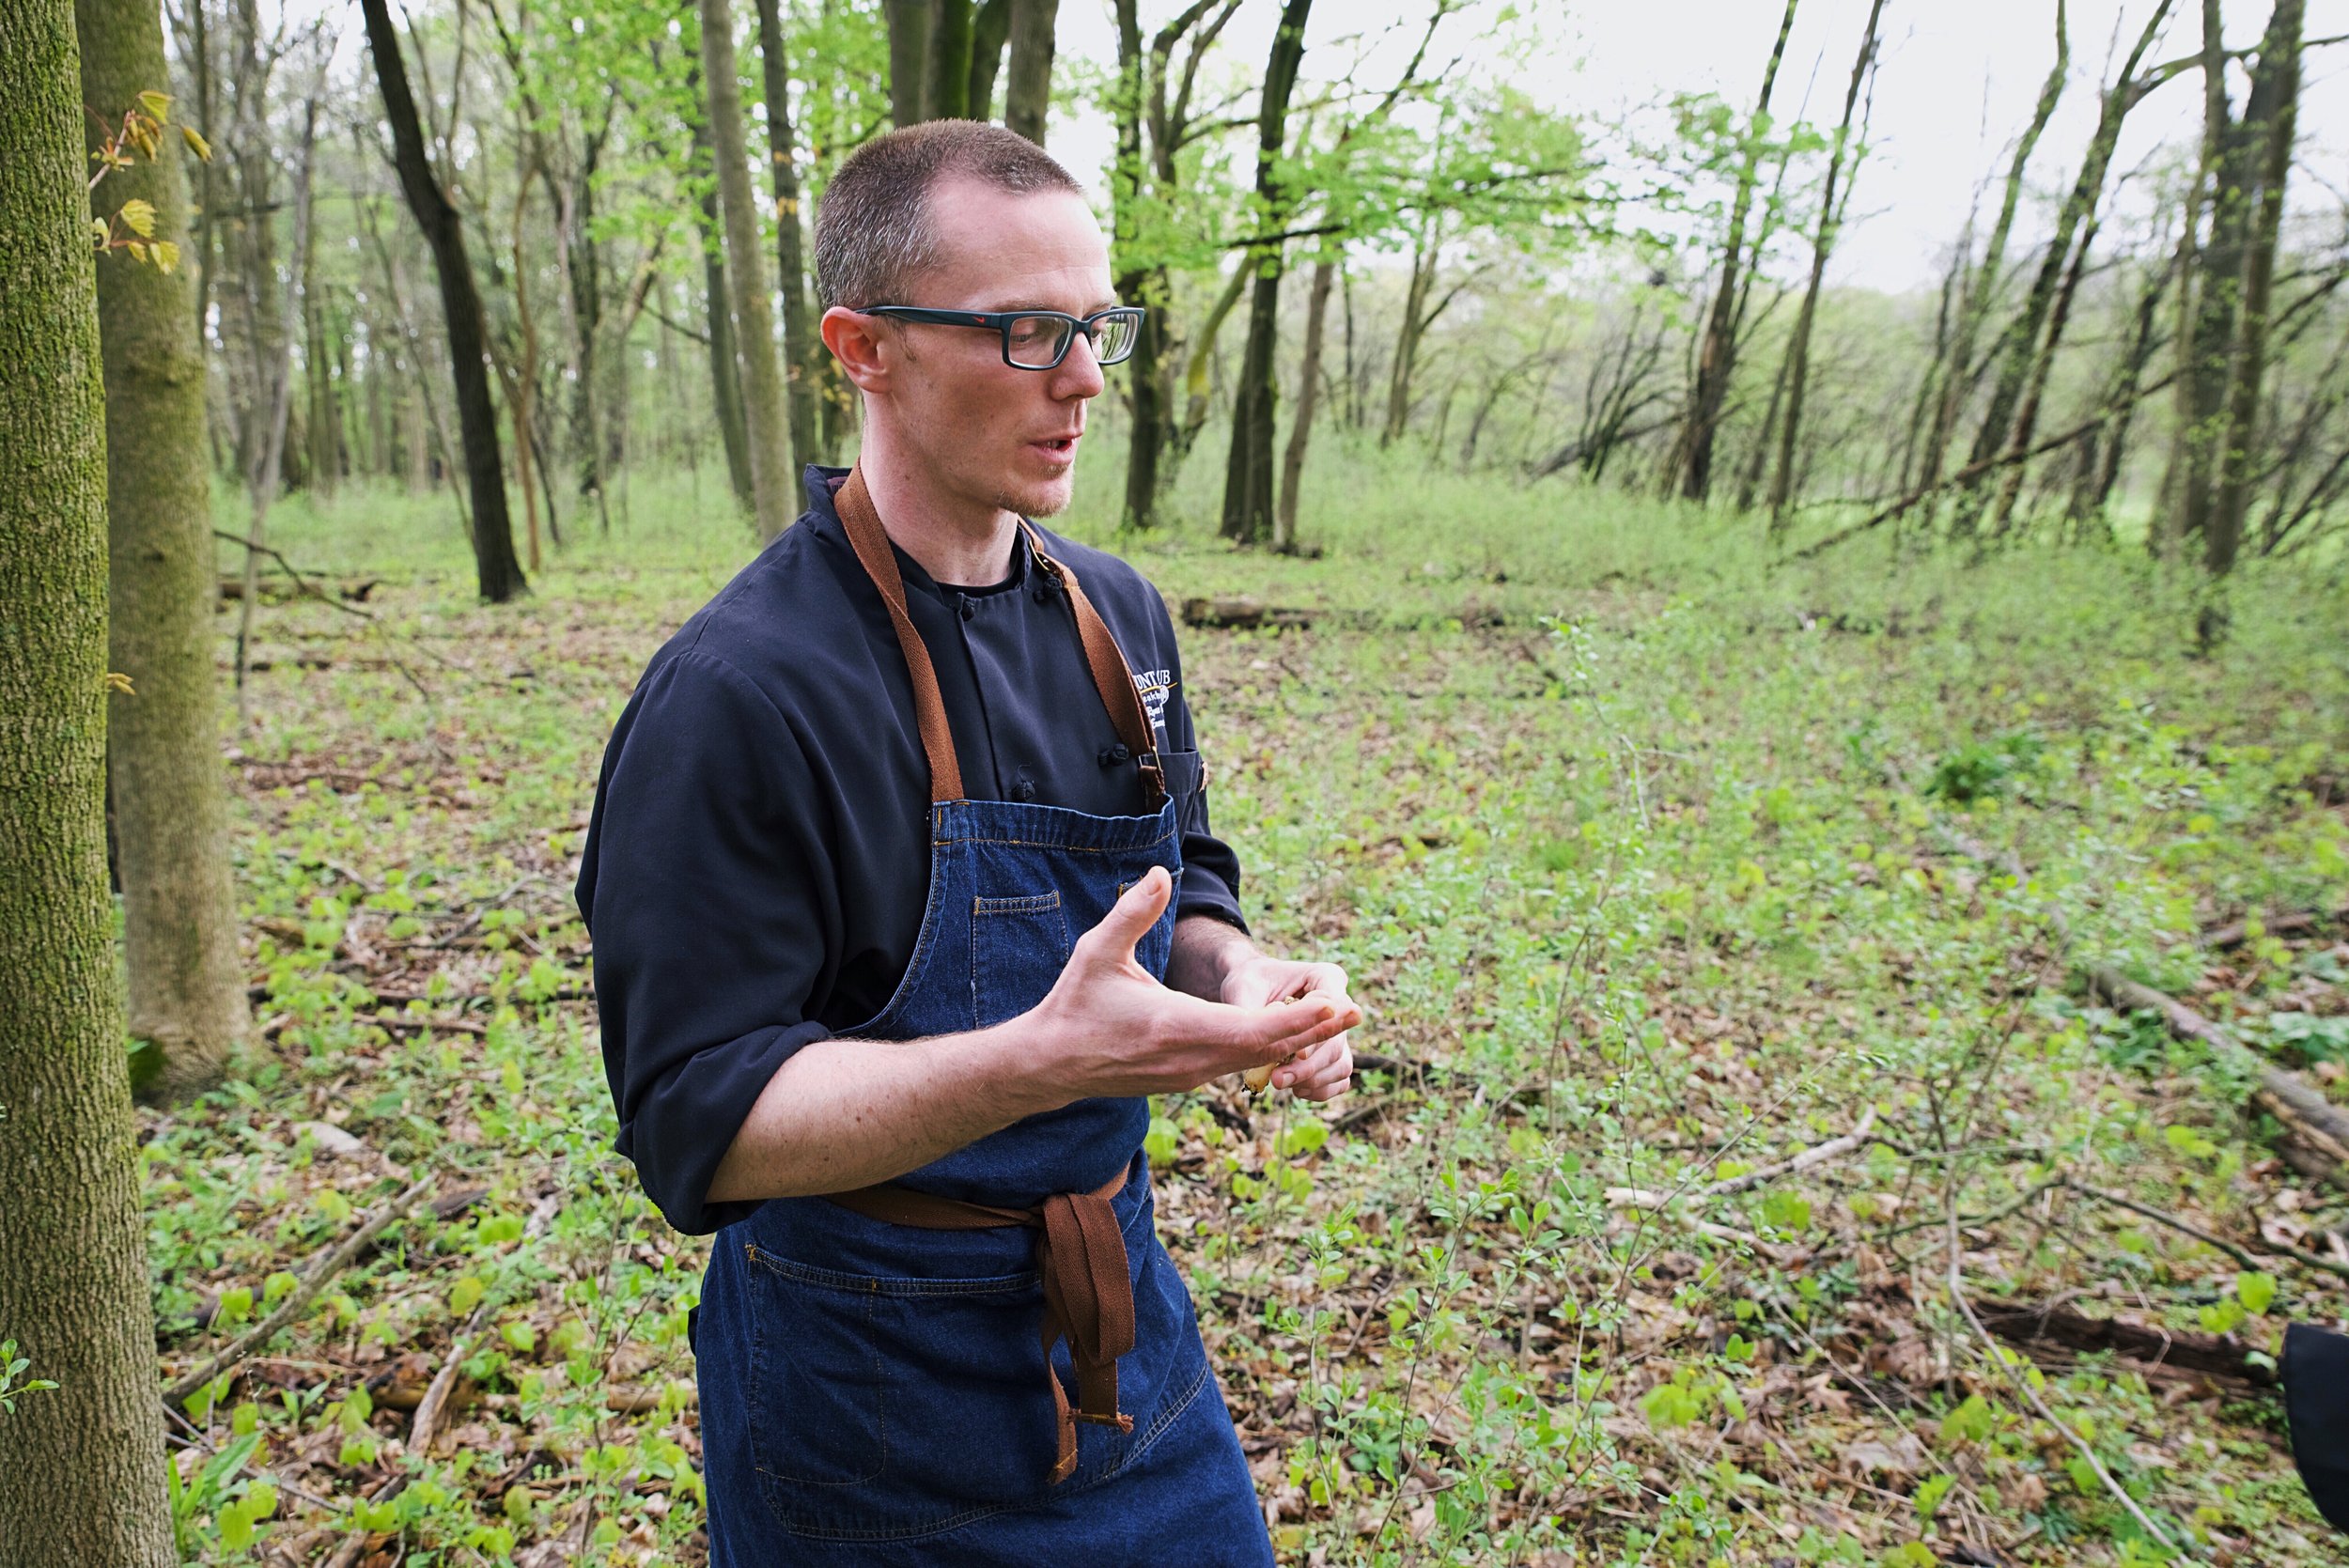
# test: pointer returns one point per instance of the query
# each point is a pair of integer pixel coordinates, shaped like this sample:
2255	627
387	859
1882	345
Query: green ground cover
1634	851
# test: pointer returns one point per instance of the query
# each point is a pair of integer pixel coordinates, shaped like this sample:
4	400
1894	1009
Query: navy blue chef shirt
759	859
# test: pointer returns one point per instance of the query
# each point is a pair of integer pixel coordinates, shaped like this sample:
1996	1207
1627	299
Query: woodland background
1831	794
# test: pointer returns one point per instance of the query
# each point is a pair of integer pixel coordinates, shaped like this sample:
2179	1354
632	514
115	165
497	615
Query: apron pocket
1018	946
883	1407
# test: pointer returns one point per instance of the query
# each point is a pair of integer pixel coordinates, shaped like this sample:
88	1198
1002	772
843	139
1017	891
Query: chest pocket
1018	946
1186	775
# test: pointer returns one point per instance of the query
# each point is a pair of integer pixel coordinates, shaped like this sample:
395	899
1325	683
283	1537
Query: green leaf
464	1296
1929	1496
138	215
1160	1143
2255	1290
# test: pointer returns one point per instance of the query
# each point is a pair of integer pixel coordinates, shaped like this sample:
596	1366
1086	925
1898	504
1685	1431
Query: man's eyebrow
1093	309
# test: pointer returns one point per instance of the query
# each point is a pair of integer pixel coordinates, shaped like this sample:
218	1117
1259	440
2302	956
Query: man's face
987	432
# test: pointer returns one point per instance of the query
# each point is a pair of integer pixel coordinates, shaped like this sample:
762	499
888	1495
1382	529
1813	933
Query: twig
1998	1358
2239	1253
1834	1148
315	1281
424	1424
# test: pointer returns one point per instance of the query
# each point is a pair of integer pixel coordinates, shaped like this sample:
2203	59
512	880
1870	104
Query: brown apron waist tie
1088	1299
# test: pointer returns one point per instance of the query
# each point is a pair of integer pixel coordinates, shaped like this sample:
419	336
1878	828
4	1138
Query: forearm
847	1113
1205	950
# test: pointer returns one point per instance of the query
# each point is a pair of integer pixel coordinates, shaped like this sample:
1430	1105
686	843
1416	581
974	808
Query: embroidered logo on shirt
1157	686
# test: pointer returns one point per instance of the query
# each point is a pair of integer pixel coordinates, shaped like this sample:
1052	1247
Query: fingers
1130	918
1322	1073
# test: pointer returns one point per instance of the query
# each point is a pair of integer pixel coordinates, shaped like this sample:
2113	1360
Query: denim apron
877	1393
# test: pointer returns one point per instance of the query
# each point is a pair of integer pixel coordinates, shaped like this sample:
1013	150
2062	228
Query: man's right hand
1116	1031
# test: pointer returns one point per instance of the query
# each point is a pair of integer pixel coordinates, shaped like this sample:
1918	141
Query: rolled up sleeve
703	891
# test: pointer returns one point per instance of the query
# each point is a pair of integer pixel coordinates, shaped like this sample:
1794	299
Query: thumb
1134	913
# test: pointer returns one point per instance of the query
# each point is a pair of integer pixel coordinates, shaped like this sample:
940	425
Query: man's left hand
1322	1072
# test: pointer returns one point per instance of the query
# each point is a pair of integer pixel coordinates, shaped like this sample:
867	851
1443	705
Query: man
884	880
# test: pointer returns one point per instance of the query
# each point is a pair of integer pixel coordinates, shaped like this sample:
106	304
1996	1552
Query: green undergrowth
1638	853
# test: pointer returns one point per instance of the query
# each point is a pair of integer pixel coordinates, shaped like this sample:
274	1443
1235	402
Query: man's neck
954	539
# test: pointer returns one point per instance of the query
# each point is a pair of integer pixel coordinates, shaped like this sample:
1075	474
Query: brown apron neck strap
870	540
1111	674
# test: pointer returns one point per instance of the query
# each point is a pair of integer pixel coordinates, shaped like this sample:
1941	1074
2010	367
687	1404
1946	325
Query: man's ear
857	341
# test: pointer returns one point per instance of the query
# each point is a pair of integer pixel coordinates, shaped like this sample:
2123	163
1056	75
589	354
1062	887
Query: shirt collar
823	482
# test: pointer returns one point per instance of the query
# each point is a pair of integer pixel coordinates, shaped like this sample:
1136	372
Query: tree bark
2272	116
498	574
990	31
1028	86
1308	395
1690	468
1248	476
1822	246
81	1465
798	327
909	23
946	73
754	318
726	377
187	992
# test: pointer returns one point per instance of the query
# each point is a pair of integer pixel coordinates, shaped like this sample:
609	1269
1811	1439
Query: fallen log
311	1282
2299	923
1241	613
2025	1324
2307	1115
2305	1112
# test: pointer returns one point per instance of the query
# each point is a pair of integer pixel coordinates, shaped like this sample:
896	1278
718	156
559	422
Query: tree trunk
726	377
2018	346
1406	339
798	326
498	573
1974	305
162	744
263	480
2271	115
946	73
1028	86
909	23
990	31
2101	468
1248	476
1126	178
1822	245
754	318
2026	412
1308	395
81	1465
1691	464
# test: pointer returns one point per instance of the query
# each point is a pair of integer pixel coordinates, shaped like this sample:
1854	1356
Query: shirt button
1112	755
1024	790
1043	594
969	609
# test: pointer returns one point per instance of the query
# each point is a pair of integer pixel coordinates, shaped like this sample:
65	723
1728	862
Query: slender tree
800	342
1690	467
1822	246
186	982
746	275
1248	478
725	376
496	570
2270	124
81	1465
1308	395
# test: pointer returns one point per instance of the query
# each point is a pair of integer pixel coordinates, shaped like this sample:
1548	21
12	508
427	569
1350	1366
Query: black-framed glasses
1036	339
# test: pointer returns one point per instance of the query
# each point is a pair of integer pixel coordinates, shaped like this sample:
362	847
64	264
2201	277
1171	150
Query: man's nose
1079	373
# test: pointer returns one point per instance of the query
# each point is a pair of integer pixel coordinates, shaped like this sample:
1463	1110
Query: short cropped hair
873	232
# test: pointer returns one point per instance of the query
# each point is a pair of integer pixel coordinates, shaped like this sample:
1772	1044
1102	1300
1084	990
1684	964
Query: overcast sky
1957	82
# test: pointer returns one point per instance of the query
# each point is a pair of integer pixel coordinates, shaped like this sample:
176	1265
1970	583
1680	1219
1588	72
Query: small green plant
11	1369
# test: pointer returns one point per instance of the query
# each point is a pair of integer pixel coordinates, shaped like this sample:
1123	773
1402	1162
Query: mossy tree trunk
162	739
81	1466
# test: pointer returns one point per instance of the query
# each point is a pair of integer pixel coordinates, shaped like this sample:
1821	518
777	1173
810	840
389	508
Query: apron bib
959	1366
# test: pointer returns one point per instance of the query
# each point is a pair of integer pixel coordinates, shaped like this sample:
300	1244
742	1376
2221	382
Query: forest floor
1638	857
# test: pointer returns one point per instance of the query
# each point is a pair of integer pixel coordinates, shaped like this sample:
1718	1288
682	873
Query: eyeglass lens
1038	342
